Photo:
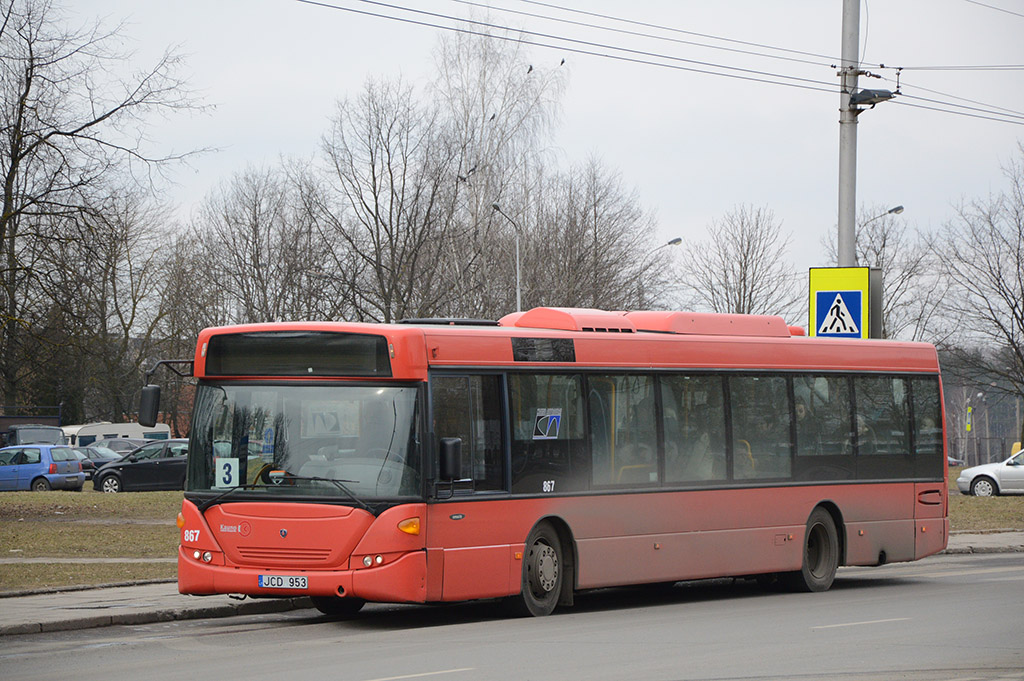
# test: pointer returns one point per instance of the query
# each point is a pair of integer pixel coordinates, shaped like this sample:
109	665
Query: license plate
282	582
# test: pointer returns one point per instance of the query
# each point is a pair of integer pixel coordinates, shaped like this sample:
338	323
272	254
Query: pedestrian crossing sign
838	314
840	304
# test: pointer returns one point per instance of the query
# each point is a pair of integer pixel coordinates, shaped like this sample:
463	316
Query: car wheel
111	483
984	487
40	485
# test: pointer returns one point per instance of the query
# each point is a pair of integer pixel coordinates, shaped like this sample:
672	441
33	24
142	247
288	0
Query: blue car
39	468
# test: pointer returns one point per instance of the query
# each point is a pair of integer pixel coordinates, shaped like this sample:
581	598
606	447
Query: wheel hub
546	568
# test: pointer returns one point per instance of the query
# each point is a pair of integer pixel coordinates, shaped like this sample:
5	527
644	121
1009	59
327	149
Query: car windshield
40	434
97	452
337	441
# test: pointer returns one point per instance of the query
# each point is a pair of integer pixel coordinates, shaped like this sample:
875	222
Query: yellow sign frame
840	280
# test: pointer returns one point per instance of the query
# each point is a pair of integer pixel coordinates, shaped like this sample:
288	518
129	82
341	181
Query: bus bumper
402	580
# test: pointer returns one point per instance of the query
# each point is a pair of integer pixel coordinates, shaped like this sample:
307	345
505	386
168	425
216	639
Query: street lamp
671	242
519	299
895	210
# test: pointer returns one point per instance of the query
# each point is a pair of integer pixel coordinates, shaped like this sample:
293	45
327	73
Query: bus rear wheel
340	608
821	554
543	573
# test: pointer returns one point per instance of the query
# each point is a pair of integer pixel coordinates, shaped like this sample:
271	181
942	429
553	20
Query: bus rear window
298	353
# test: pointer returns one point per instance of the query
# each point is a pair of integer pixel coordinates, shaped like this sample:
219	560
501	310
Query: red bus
554	451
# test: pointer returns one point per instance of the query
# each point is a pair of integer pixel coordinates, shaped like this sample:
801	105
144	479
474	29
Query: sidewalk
160	601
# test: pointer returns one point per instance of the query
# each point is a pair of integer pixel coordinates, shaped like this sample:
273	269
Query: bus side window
762	446
623	429
882	424
694	428
548	438
469	407
927	427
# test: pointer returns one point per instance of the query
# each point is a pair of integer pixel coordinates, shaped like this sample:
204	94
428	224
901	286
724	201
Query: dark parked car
40	468
88	466
121	445
94	457
156	465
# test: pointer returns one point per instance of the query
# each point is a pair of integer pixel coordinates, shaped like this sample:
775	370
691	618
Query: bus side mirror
149	405
451	458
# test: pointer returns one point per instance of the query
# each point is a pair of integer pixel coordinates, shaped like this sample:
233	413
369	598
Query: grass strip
27	576
38	539
89	505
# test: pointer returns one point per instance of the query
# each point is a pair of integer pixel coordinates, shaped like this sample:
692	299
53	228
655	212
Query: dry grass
89	505
29	576
83	539
69	525
981	514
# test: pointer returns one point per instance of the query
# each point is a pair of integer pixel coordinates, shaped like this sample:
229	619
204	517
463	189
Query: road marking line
420	676
857	624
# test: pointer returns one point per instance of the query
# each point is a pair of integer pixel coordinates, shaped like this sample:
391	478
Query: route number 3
225	472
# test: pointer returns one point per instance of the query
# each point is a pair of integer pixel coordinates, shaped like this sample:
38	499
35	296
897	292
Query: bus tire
820	555
339	608
543	573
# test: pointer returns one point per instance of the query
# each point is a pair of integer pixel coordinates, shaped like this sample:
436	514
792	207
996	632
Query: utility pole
849	69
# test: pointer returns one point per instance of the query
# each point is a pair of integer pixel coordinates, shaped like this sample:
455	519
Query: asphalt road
947	617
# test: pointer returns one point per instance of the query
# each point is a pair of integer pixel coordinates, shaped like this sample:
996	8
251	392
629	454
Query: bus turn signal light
410	525
180	521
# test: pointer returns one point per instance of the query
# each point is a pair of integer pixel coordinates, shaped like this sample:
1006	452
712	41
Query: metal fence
978	450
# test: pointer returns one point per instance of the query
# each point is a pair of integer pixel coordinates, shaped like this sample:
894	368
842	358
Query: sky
693	145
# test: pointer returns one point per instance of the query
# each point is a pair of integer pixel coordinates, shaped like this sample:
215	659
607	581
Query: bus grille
290	556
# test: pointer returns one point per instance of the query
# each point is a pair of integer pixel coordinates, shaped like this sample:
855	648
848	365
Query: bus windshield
359	443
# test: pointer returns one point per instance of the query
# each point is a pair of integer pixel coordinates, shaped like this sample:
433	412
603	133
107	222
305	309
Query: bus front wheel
542	572
821	554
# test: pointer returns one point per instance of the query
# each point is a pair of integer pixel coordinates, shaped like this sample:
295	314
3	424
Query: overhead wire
903	84
587	47
679	30
641	34
998	9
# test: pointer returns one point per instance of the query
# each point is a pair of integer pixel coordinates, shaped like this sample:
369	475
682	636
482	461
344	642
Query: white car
994	478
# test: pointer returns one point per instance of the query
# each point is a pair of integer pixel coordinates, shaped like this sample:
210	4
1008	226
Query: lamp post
519	299
895	210
671	242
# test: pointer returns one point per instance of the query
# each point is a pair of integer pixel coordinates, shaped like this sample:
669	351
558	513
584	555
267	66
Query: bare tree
497	110
587	242
912	296
390	202
983	256
742	267
261	248
69	126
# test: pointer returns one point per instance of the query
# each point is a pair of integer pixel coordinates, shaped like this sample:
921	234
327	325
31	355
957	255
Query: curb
982	549
255	607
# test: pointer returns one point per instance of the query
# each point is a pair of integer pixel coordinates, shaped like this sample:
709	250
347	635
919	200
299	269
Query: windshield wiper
337	483
216	500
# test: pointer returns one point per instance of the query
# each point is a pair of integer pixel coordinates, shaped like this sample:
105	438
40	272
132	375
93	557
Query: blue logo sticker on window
547	424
